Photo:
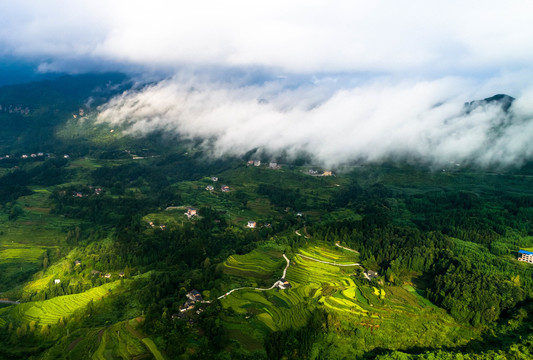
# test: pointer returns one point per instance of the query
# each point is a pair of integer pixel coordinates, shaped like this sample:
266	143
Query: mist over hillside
427	122
343	83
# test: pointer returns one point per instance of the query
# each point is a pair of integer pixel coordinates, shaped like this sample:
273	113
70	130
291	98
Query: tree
15	212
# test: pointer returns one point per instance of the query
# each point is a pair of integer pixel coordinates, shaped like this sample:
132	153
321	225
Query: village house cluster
223	188
193	297
151	224
106	275
96	191
271	165
317	173
31	156
81	113
14	109
77	263
25	156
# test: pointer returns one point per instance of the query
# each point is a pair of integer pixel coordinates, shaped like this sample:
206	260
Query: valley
100	250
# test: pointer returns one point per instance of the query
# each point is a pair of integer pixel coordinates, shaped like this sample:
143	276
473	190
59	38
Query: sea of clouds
380	120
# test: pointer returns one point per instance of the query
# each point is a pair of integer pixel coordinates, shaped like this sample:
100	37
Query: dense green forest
97	256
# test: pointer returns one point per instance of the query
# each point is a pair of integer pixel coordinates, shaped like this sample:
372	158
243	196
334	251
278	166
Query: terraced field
282	309
20	253
328	254
337	290
118	341
260	267
304	271
38	284
153	348
51	311
36	226
17	263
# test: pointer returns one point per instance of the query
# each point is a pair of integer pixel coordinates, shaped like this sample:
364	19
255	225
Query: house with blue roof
526	256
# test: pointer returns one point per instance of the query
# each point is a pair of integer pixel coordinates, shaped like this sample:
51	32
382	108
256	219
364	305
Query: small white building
209	188
251	224
283	284
57	281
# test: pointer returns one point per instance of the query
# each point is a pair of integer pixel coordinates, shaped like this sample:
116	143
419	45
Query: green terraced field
39	284
33	232
255	268
283	309
153	349
303	271
20	253
328	254
118	341
337	290
51	311
17	263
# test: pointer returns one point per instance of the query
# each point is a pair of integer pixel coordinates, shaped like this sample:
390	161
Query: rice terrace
325	276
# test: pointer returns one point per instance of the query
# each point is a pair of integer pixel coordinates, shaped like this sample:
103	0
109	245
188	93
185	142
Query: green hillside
388	261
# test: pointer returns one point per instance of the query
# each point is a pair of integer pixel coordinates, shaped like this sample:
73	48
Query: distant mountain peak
505	101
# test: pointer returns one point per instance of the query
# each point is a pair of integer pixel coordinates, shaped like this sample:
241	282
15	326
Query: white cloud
379	120
395	36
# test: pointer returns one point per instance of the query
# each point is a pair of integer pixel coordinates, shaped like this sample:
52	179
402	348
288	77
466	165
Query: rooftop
525	252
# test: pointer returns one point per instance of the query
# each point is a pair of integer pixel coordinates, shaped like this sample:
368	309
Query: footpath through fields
345	248
254	288
9	302
327	262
